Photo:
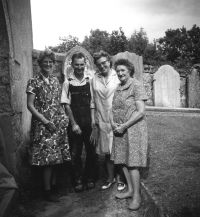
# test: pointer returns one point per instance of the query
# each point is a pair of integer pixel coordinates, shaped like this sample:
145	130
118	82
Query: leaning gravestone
167	87
136	60
89	61
194	87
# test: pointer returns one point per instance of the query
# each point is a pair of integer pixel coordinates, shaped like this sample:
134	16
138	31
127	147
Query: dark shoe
79	186
107	185
121	186
54	189
48	196
90	185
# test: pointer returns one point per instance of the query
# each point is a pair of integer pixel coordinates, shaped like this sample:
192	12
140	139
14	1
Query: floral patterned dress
47	148
130	148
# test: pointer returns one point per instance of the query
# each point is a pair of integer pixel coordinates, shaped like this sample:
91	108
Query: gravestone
167	87
148	84
136	60
194	87
89	69
183	91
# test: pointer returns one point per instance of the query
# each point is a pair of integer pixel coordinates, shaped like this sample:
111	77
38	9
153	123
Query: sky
52	19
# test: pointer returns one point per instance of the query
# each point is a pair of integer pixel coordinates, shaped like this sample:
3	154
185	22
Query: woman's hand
93	125
114	126
94	135
51	127
120	129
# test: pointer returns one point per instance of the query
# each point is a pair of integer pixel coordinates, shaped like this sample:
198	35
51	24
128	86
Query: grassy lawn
174	171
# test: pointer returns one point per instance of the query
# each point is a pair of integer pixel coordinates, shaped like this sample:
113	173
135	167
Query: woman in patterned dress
130	130
49	141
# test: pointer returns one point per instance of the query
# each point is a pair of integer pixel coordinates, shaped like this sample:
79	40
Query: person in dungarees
76	97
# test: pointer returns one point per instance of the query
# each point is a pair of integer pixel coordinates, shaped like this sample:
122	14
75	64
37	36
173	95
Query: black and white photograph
99	108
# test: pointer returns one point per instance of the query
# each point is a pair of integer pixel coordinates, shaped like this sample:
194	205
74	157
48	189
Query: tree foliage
118	42
180	47
66	44
138	42
98	40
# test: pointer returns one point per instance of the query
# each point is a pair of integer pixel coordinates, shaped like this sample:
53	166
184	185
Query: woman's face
103	65
123	73
47	65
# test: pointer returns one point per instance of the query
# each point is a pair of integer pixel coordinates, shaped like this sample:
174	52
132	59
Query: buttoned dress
48	148
103	92
129	148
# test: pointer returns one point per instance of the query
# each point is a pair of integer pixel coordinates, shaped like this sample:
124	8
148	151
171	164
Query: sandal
121	186
107	185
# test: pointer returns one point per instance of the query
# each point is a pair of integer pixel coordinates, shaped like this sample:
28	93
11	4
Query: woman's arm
33	110
140	105
113	124
30	105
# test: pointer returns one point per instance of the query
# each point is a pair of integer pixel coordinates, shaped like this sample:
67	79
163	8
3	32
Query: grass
174	168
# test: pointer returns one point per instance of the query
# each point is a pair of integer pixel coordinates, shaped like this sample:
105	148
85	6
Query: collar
73	77
46	79
127	85
113	73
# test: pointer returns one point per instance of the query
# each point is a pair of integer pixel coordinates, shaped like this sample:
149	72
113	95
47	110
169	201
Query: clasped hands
119	129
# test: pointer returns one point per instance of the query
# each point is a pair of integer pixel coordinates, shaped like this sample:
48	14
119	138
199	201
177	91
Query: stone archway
15	69
67	62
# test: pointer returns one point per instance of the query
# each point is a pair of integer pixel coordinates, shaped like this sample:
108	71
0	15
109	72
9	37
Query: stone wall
15	69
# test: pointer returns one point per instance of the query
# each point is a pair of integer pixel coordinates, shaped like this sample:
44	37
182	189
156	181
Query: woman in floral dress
130	130
49	141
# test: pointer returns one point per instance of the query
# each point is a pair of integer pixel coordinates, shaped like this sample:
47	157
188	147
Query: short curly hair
47	53
127	63
100	54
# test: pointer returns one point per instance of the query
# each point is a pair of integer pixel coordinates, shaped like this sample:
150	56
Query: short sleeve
65	96
139	92
31	86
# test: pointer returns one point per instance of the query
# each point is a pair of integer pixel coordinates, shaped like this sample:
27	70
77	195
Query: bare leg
53	179
129	192
110	168
47	173
135	179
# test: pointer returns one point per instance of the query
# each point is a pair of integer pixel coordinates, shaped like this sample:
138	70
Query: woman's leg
47	173
135	179
110	168
129	192
47	178
119	174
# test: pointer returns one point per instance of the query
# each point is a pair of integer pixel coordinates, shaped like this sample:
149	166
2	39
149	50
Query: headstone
167	87
194	87
148	84
183	91
89	61
136	60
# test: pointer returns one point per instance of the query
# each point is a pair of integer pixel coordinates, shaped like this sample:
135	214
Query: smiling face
123	73
47	66
103	65
79	66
